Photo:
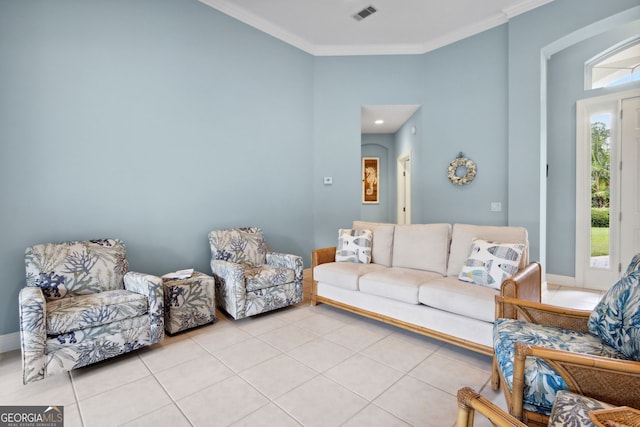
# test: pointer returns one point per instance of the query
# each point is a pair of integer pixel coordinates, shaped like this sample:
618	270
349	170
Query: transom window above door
615	66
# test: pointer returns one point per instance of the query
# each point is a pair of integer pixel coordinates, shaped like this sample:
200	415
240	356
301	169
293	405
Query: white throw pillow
354	246
490	263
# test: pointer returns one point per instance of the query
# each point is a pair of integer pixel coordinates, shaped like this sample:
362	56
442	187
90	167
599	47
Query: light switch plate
328	180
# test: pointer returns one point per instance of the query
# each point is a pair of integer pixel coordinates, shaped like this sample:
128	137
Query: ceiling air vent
367	11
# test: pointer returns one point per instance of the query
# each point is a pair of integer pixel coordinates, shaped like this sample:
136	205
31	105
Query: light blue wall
158	120
341	86
439	81
464	110
154	121
532	37
383	147
565	85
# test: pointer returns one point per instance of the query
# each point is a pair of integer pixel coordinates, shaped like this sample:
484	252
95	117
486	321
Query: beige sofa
412	280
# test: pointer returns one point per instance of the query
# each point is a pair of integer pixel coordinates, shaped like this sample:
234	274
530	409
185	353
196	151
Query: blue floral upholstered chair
544	349
81	305
250	279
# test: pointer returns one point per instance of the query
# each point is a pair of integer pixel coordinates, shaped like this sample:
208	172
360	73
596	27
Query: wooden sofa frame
525	284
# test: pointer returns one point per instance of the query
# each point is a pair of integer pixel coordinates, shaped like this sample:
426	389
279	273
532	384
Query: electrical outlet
496	207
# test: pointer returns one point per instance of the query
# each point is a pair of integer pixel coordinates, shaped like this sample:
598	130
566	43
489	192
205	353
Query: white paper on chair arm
180	274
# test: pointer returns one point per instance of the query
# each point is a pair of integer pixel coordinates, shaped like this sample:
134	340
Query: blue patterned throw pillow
634	265
616	318
354	246
489	263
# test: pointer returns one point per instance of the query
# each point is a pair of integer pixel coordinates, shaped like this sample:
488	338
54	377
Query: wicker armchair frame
610	380
470	402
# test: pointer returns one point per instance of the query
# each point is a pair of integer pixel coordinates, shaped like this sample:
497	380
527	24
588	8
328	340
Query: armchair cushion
572	410
76	267
267	276
86	311
244	245
616	318
542	381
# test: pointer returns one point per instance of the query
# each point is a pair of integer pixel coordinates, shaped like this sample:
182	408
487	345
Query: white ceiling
327	27
394	117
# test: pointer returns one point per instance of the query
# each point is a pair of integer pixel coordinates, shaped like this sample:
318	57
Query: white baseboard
9	342
556	279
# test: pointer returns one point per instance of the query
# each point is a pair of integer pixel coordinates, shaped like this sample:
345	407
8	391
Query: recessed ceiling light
379	122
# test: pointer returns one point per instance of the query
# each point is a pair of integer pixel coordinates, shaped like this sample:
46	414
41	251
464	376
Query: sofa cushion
454	296
490	263
463	235
343	274
616	318
76	312
422	247
401	284
354	246
382	242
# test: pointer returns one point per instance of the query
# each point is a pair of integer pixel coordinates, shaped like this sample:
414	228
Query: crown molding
263	25
523	6
464	32
230	9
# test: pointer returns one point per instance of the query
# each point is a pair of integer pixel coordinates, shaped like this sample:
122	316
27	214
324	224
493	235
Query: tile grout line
175	403
76	397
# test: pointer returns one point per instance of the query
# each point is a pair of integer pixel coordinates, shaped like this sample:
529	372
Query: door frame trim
584	108
402	159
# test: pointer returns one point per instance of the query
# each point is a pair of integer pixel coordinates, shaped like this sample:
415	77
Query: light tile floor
311	366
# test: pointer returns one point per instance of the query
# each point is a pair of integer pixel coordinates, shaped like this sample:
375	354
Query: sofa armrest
323	256
33	332
151	287
231	291
318	257
543	314
526	284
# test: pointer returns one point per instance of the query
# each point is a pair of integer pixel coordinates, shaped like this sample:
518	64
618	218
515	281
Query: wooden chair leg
495	375
465	411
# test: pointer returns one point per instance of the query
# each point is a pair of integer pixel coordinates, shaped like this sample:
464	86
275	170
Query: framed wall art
370	179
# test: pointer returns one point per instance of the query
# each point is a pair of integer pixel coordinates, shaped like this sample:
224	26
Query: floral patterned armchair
541	350
249	278
82	305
